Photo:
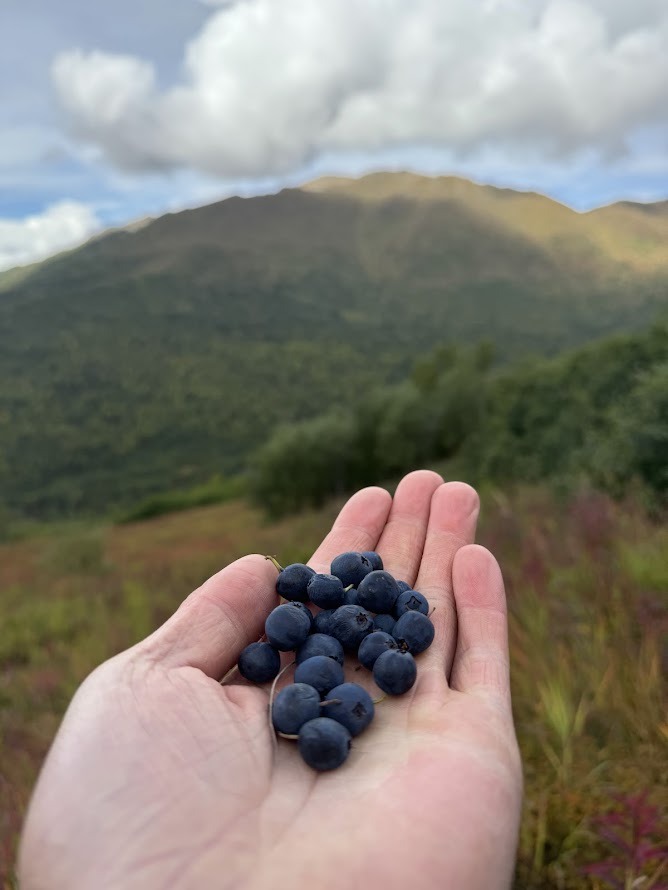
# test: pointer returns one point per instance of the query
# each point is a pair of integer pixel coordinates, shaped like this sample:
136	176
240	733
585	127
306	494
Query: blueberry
350	597
403	585
373	646
294	705
325	591
321	672
385	623
351	706
395	671
259	662
287	626
323	743
322	621
411	601
351	568
305	609
292	582
350	624
374	558
414	631
377	592
320	644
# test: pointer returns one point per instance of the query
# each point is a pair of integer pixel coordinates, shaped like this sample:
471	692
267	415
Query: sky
113	112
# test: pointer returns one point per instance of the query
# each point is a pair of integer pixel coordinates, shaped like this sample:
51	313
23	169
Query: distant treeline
600	413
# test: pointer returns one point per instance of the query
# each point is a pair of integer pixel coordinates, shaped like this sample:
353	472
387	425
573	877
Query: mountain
626	234
154	357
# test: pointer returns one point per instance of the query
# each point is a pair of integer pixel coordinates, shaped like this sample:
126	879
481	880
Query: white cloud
270	85
62	225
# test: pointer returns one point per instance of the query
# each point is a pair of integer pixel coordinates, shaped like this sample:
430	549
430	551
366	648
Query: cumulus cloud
268	86
62	225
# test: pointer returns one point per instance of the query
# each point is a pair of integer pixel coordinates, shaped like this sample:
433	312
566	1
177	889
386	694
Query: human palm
162	778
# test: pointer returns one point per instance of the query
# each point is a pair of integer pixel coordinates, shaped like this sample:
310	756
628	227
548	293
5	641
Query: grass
587	584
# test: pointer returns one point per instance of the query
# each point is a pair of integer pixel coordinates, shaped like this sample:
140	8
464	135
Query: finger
228	612
357	527
214	623
452	524
481	660
403	537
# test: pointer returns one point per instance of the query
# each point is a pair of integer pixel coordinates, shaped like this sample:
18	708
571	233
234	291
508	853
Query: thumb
212	626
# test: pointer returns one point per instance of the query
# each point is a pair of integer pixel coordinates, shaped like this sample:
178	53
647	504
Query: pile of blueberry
364	610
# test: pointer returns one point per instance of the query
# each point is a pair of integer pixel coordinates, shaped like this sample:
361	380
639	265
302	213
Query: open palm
162	778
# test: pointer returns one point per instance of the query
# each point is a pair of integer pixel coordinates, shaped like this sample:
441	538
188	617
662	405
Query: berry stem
272	692
229	674
349	587
286	735
275	562
377	701
330	701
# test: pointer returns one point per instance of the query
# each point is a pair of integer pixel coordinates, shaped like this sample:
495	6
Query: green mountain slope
154	358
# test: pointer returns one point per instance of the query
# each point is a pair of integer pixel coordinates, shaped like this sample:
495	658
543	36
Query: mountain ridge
426	187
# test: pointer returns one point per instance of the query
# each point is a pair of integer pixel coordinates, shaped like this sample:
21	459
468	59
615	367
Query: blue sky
110	112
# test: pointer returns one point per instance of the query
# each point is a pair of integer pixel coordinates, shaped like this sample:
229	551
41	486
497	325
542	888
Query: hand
162	778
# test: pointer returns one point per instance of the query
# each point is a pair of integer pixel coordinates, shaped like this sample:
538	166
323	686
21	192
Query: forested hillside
598	413
153	359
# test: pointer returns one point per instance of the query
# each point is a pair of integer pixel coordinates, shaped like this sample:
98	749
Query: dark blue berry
411	601
395	671
322	621
351	568
259	662
321	672
323	743
294	705
374	558
414	631
305	609
350	624
377	592
385	623
287	626
350	705
350	597
320	644
325	591
403	585
373	646
292	582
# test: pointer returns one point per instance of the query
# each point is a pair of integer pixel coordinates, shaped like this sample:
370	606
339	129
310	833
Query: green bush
215	491
305	462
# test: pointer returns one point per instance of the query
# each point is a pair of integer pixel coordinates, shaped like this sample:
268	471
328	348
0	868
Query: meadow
587	582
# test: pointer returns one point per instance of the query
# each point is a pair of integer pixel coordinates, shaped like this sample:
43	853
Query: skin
162	777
